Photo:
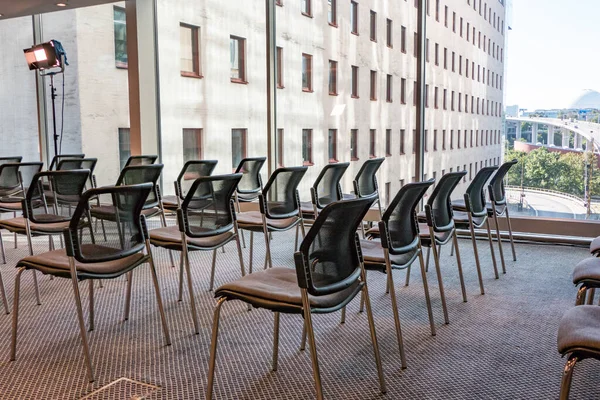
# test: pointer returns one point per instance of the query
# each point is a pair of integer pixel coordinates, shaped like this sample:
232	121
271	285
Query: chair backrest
63	184
398	225
207	210
141	160
329	259
136	174
10	183
27	172
327	188
10	160
251	182
77	163
475	194
365	183
129	228
496	186
279	199
191	171
439	206
56	159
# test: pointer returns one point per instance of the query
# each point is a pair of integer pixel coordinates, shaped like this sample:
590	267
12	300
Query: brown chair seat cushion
373	232
595	245
170	238
461	219
252	220
56	262
19	225
579	329
169	202
108	212
441	237
374	256
12	206
587	270
307	208
277	288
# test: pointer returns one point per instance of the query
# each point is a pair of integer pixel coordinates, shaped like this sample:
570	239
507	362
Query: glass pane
238	144
186	48
192	144
120	32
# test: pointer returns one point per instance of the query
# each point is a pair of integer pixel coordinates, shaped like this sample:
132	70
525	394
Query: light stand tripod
53	96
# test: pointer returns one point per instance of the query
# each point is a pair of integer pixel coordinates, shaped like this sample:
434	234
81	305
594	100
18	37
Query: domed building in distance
587	99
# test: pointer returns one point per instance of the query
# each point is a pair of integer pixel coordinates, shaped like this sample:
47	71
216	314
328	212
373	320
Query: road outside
546	205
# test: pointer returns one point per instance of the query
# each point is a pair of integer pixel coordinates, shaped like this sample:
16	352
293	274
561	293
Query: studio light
43	56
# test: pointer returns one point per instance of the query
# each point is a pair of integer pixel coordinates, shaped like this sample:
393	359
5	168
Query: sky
553	52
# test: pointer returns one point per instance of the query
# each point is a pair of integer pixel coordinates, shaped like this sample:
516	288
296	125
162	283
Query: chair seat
252	221
459	205
461	220
56	262
247	197
440	237
373	232
348	196
18	225
579	329
170	238
170	203
595	245
307	209
500	209
374	257
107	213
277	289
10	206
587	270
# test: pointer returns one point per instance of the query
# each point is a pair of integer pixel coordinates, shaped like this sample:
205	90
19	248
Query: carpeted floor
498	346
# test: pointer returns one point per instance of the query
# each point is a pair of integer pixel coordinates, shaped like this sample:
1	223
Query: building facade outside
346	85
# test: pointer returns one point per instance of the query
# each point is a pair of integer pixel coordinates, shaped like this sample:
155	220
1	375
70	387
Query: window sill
354	33
354	96
333	161
119	65
240	81
389	101
354	158
373	98
372	156
403	51
333	24
388	155
307	15
390	46
402	153
305	90
373	40
307	163
333	93
280	87
191	75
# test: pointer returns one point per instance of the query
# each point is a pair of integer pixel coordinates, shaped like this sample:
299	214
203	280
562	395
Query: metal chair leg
303	340
460	271
343	315
590	296
251	250
91	305
3	293
36	288
159	302
426	290
212	271
15	316
489	232
190	285
240	254
275	341
128	295
474	240
180	295
567	377
438	271
510	235
3	252
213	349
387	287
581	295
388	267
499	239
243	239
82	331
382	387
267	244
311	341
296	239
407	275
427	262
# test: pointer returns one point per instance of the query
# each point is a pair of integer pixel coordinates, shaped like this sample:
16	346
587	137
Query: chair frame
177	184
151	157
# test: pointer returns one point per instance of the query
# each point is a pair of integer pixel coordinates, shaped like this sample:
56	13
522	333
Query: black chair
365	183
586	275
38	218
471	213
57	159
191	171
400	246
438	229
140	160
83	259
279	208
206	222
579	338
10	160
325	190
498	206
251	184
329	274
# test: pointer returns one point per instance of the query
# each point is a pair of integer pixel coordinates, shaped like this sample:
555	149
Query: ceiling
21	8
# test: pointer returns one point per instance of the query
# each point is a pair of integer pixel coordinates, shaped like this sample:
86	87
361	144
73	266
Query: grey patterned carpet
498	346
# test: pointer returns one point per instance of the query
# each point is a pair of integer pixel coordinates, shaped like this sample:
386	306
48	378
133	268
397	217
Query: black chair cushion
587	270
277	289
374	256
170	238
461	220
440	237
579	329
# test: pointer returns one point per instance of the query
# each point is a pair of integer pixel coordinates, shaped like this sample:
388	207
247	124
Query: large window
388	142
124	146
332	145
354	17
192	144
306	7
333	77
189	49
389	33
307	72
332	12
238	146
373	28
373	91
372	143
307	147
354	144
237	50
389	88
120	37
354	90
280	67
280	147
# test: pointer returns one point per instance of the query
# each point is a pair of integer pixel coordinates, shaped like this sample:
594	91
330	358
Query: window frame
309	59
241	49
309	143
196	55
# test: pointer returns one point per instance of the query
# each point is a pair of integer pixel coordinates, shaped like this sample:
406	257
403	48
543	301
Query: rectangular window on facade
426	95
388	142
373	90
280	67
435	97
416	47
435	139
333	77
280	147
388	88
453	61
237	50
446	16
124	146
372	143
192	144
332	145
354	17
332	12
306	7
306	72
307	152
120	37
436	56
458	139
425	147
373	25
402	90
437	10
451	139
189	49
389	32
355	81
454	22
354	144
388	191
444	100
403	39
402	139
414	141
445	58
238	146
443	139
